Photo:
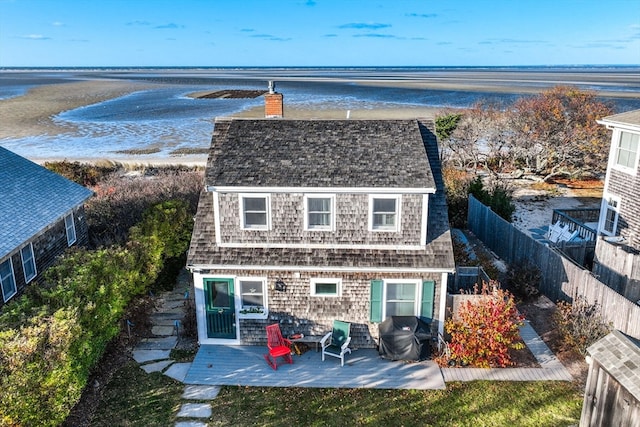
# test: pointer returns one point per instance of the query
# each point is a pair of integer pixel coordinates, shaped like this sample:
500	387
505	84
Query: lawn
135	398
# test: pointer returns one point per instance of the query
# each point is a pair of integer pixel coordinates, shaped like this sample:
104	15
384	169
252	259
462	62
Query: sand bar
32	113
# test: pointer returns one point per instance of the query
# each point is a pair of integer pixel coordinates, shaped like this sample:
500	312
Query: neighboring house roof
419	167
318	153
31	198
628	119
619	354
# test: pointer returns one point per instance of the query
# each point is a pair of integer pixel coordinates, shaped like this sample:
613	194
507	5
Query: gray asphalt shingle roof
31	198
318	153
417	137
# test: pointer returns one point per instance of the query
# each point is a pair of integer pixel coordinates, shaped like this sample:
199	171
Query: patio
363	368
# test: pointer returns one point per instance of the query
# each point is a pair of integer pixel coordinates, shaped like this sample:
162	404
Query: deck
363	368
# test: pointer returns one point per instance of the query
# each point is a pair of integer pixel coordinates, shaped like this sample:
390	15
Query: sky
87	33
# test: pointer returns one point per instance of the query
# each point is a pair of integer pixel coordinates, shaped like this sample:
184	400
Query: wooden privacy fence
561	278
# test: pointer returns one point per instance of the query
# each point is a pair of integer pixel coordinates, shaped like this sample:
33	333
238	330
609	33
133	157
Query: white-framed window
255	211
253	296
323	287
610	212
70	226
384	212
627	151
319	212
401	298
28	263
7	280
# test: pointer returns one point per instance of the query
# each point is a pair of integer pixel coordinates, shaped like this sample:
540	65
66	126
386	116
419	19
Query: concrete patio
363	368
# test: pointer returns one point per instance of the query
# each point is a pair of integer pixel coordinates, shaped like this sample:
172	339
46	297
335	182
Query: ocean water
167	119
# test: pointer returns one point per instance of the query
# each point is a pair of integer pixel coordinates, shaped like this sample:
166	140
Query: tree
556	134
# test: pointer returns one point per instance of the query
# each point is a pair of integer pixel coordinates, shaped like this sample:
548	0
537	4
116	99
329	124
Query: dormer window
255	212
384	213
626	155
319	212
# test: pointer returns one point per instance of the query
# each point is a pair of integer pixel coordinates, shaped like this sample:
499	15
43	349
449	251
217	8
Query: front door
220	308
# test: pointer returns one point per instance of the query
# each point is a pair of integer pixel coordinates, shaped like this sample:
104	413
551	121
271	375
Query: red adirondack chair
278	346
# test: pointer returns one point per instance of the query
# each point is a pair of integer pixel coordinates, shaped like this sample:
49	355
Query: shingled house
42	214
306	221
617	258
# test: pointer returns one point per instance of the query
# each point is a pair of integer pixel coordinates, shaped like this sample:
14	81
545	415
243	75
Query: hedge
52	337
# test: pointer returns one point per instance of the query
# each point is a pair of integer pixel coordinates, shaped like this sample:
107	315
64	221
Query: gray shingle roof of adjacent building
619	354
437	254
626	118
31	198
318	153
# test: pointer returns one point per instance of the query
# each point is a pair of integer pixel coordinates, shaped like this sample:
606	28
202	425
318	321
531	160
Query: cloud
247	30
35	37
422	15
364	26
376	35
310	3
512	41
270	37
58	24
330	35
169	26
139	23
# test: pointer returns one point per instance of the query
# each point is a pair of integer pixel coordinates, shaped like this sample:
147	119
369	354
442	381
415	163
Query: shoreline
32	115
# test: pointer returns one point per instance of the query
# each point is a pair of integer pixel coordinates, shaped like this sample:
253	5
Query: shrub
456	184
486	329
120	201
81	173
52	337
523	278
580	324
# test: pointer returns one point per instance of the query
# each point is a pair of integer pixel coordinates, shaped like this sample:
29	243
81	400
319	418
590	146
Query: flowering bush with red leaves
486	329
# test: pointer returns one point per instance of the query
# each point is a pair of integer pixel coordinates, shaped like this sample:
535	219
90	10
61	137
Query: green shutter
375	314
426	310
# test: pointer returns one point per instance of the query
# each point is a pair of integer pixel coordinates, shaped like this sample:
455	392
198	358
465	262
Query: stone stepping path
154	355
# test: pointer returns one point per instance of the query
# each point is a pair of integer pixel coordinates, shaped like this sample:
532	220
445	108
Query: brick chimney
273	105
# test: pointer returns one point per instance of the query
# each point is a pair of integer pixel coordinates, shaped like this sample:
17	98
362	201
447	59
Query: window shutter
375	314
426	310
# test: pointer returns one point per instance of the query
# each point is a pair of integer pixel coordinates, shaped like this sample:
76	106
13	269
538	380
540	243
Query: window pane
255	219
401	291
319	219
384	220
384	205
255	204
319	204
327	288
252	293
400	309
71	229
628	149
7	279
28	263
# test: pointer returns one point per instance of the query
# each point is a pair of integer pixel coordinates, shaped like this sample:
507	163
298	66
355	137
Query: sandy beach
33	114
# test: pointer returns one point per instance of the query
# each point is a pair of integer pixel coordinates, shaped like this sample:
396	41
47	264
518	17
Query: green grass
134	398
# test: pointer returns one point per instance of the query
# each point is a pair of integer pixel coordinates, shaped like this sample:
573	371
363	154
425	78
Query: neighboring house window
28	263
627	150
401	297
7	280
612	209
319	212
255	212
326	287
253	296
384	213
71	229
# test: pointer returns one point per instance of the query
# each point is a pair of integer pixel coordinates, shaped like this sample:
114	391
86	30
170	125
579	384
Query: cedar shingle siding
349	160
